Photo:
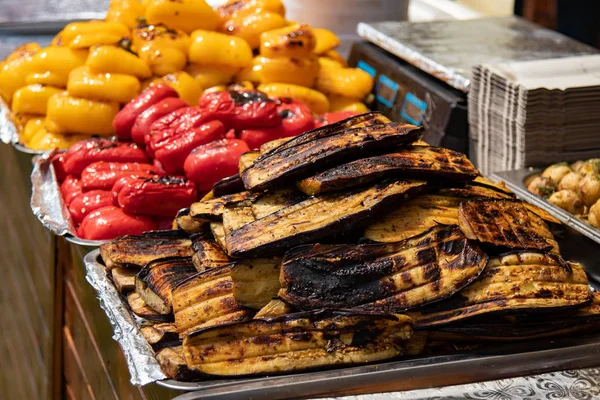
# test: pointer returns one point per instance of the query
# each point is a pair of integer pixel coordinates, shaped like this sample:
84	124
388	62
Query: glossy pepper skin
69	114
124	120
87	152
241	109
331	117
86	202
180	120
214	161
296	119
117	60
102	175
159	196
89	84
70	188
171	152
110	222
32	99
58	163
144	121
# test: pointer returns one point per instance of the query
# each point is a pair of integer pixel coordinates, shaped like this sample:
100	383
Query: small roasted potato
594	215
589	187
577	165
556	172
591	166
568	200
570	182
541	186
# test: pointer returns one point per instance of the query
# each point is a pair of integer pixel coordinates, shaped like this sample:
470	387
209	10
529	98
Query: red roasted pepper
79	157
331	117
58	162
85	203
103	175
145	120
158	196
241	109
110	222
171	152
296	119
214	161
120	184
70	188
180	120
125	119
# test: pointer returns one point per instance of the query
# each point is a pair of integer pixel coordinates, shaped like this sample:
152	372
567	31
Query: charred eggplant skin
390	277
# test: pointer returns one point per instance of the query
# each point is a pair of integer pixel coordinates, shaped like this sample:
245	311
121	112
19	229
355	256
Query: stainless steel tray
503	361
581	241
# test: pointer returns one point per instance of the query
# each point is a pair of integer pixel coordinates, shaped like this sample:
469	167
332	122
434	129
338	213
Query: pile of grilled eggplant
352	243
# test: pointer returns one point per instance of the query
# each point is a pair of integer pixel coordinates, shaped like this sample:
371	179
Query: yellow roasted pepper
14	70
212	89
296	41
335	56
68	114
187	15
30	129
80	35
211	75
210	48
341	103
126	12
298	71
89	84
187	87
52	65
250	27
237	8
163	49
316	101
328	63
46	140
32	99
349	82
326	40
241	86
117	60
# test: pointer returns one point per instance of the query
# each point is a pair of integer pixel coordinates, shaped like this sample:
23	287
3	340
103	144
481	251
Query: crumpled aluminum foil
47	202
141	361
8	130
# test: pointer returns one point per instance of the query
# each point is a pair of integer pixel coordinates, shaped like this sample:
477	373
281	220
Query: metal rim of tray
84	242
24	149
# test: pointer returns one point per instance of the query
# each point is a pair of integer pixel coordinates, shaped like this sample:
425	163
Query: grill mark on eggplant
412	162
374	278
230	185
207	253
310	157
212	210
299	224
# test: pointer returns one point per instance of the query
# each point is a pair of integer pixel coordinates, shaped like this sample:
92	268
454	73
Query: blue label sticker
386	91
413	109
367	68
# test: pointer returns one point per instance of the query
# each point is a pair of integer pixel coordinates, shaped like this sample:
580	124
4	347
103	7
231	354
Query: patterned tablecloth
583	384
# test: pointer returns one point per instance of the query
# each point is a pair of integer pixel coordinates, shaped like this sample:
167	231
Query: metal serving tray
581	241
501	361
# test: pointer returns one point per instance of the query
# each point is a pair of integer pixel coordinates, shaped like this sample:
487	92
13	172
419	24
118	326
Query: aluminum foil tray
47	203
501	361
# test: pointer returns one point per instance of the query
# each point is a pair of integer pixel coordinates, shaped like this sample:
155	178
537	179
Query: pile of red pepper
178	152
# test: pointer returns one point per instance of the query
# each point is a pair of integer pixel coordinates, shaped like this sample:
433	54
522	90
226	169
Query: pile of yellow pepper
73	89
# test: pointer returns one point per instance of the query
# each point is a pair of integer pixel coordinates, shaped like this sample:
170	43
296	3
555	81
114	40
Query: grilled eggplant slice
156	281
218	232
297	342
124	279
136	251
523	281
255	281
230	185
275	200
505	224
357	121
212	209
387	278
185	222
274	308
161	335
315	218
412	162
247	159
138	306
172	363
206	299
237	215
207	253
302	160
